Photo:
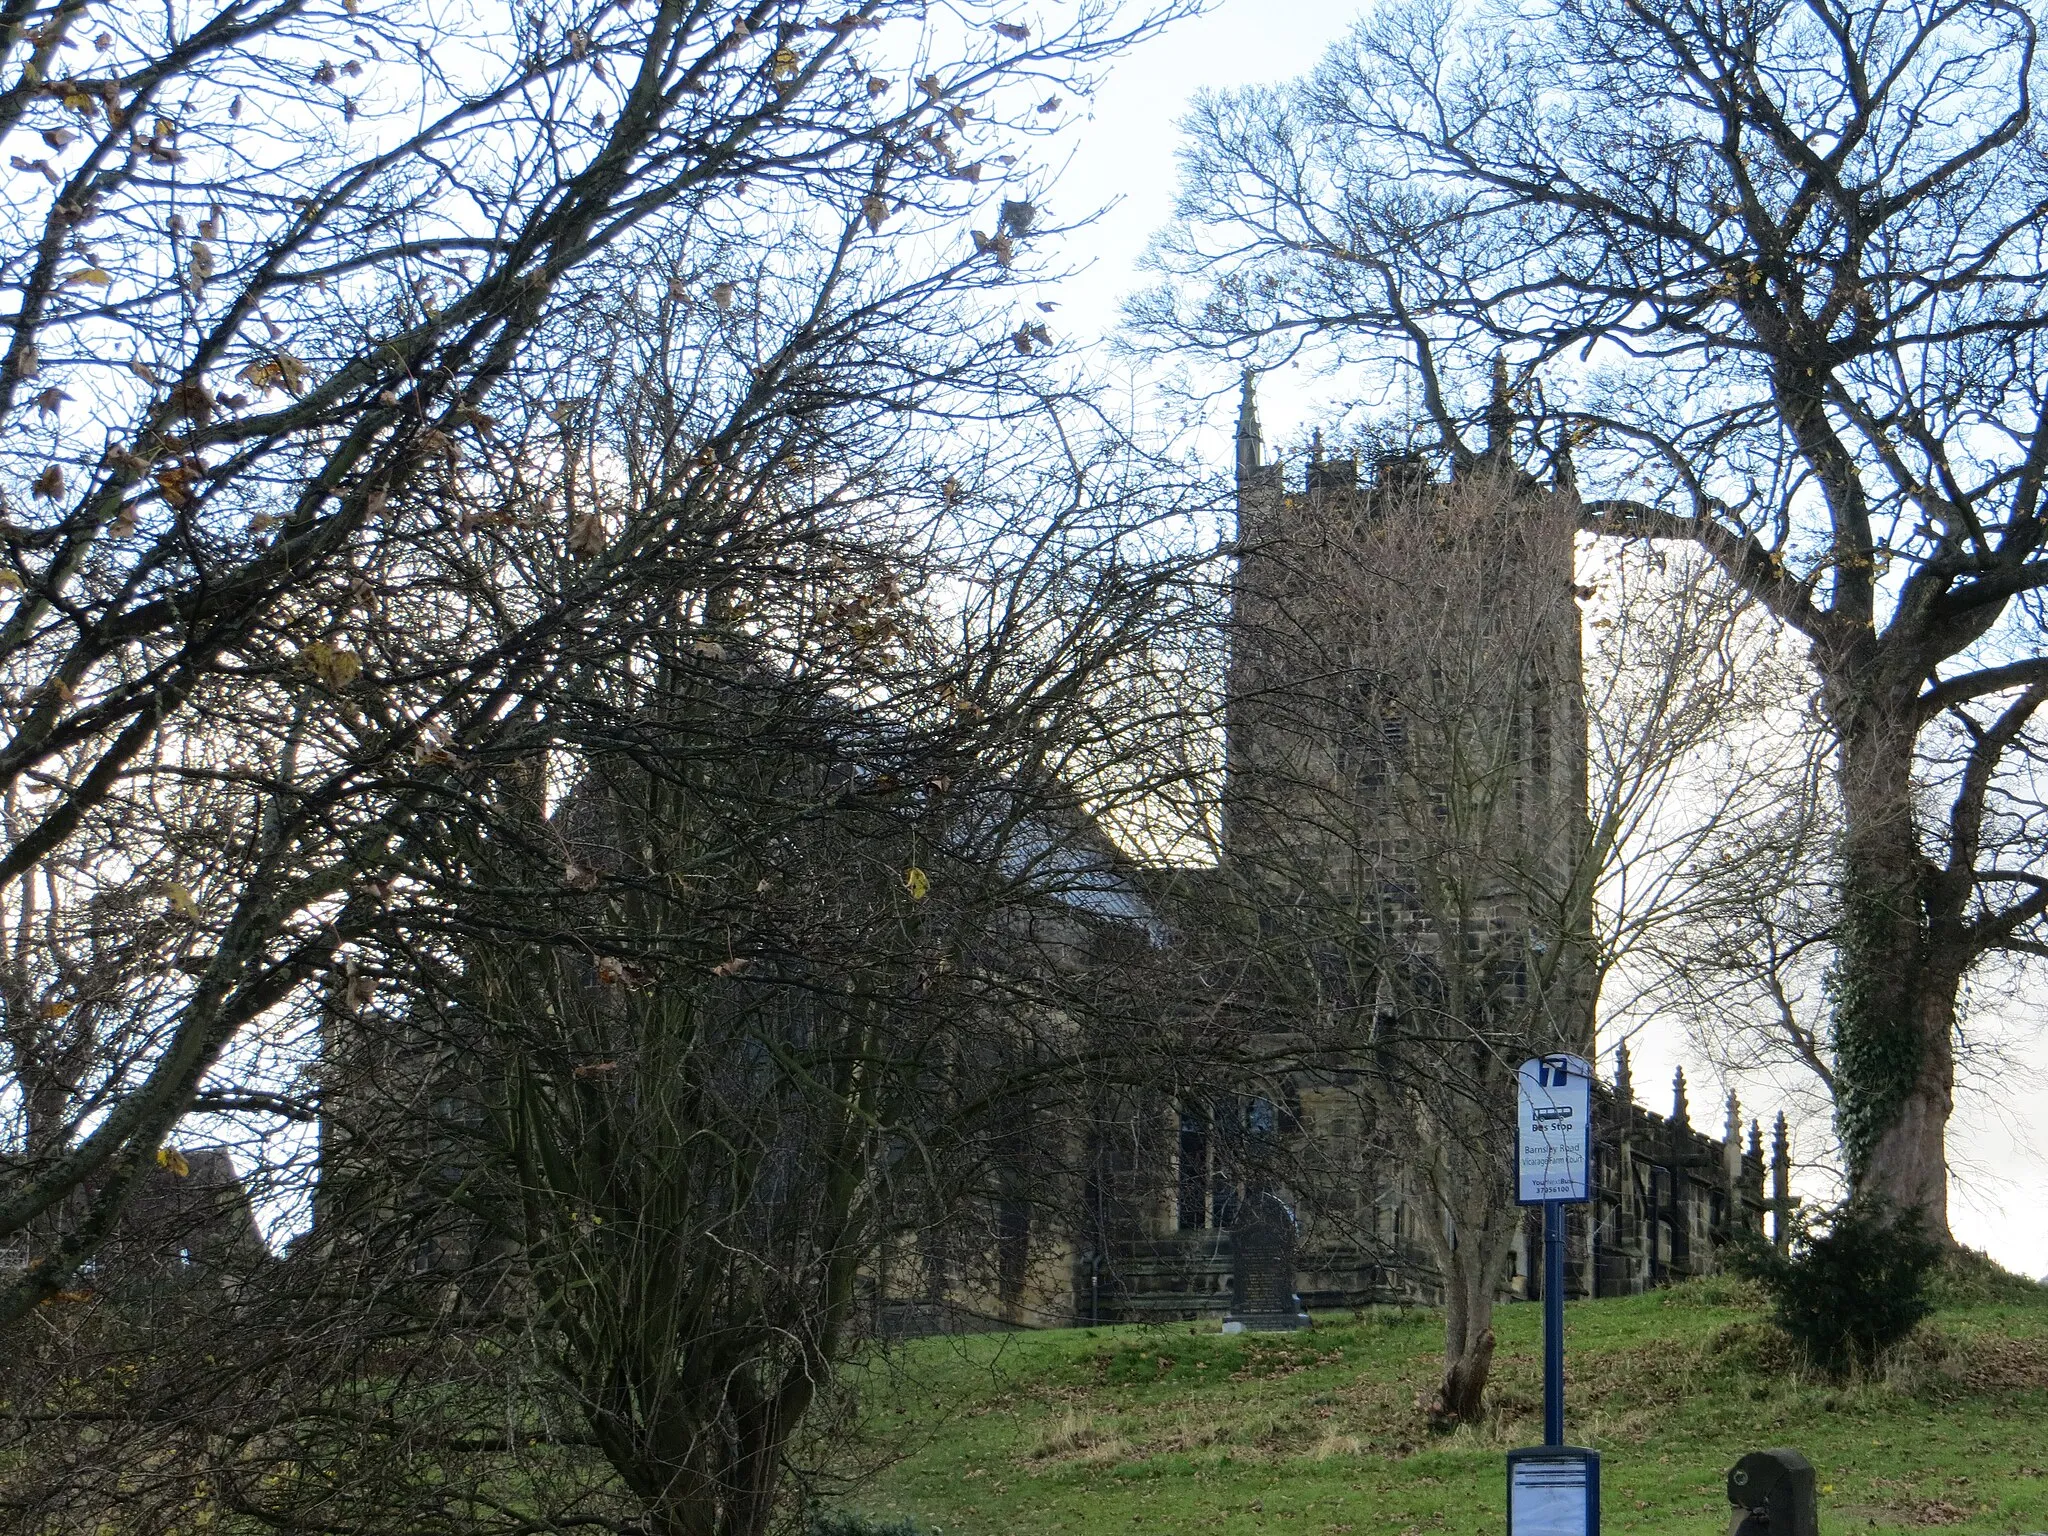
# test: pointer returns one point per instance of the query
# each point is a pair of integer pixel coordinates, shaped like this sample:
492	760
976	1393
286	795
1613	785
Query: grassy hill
1181	1429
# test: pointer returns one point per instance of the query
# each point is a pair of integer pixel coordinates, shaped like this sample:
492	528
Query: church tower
1405	749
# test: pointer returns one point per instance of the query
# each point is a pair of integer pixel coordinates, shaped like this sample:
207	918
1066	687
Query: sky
1122	161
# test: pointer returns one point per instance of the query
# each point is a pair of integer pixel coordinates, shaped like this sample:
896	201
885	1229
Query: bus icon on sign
1551	1111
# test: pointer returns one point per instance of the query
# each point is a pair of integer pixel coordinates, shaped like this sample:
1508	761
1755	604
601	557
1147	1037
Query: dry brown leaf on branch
1051	104
586	535
932	86
329	664
181	901
174	1160
264	374
614	972
28	362
579	877
357	990
49	485
192	401
1010	29
118	456
202	265
877	86
176	483
89	277
722	296
51	400
875	210
784	62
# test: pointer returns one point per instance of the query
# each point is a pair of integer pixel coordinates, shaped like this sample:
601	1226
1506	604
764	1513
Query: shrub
1854	1284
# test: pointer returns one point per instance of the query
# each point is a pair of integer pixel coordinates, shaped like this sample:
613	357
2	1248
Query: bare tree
1771	272
823	954
1448	862
760	940
300	445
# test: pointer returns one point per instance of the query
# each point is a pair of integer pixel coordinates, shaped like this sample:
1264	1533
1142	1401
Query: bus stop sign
1554	1130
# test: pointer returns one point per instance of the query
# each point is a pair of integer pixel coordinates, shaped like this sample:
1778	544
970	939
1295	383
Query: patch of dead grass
1080	1438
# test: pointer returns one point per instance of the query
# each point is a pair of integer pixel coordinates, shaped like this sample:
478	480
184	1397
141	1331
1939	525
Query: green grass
1132	1430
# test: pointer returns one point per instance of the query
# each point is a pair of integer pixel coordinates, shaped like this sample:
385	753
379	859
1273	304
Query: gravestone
1262	1271
1773	1495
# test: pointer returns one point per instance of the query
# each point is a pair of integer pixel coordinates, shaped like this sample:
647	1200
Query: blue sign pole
1553	1322
1554	1488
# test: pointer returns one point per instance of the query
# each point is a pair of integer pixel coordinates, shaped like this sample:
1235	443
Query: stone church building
1399	911
1404	836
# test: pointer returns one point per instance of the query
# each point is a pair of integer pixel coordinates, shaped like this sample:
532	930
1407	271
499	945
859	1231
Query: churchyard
1183	1429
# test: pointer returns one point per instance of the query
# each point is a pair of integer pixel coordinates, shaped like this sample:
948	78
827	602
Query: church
1401	909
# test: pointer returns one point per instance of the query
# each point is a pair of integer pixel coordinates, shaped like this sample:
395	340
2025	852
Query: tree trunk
1907	1162
1893	997
1468	1347
762	1422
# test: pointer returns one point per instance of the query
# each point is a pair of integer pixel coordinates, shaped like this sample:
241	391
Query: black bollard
1773	1495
